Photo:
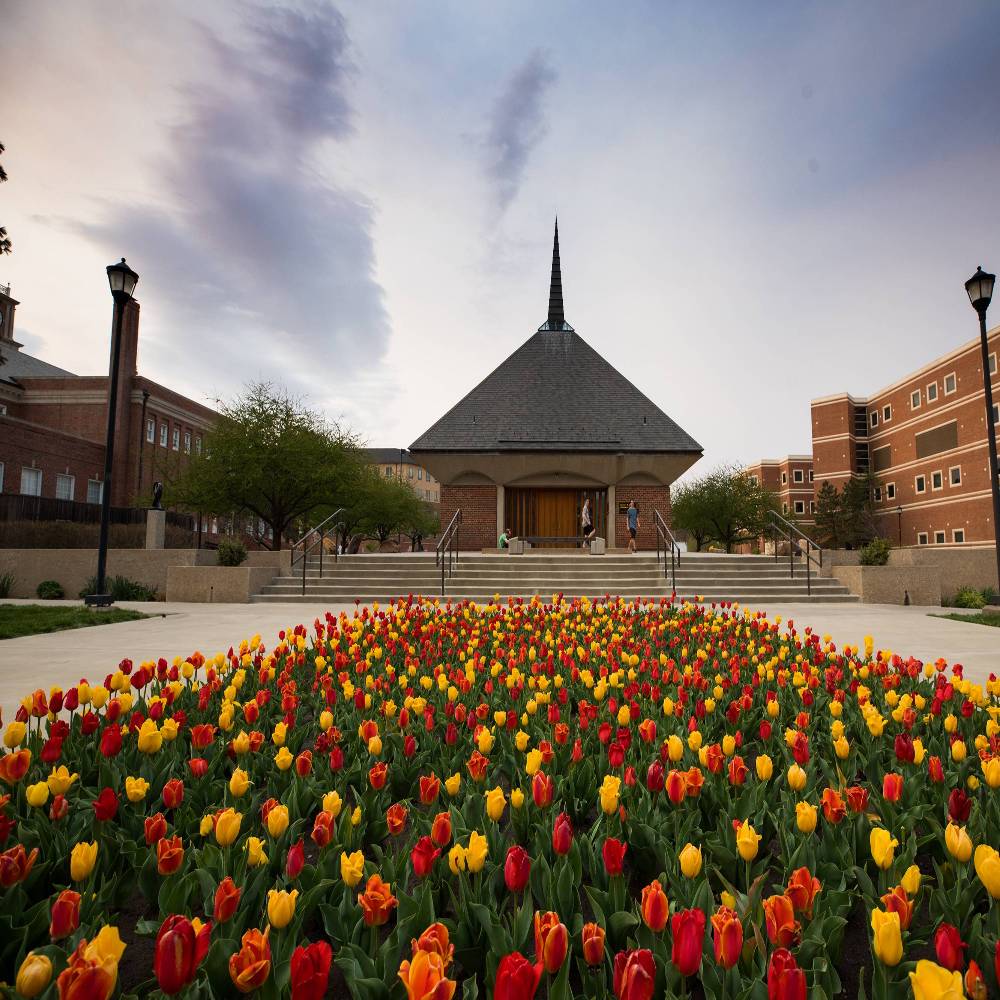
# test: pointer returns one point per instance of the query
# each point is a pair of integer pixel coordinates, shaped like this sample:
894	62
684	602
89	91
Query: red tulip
801	890
111	738
57	811
156	828
655	907
517	868
311	971
227	898
542	789
551	941
614	854
296	860
593	944
562	834
423	856
198	767
676	787
634	975
377	775
517	978
173	793
782	927
935	770
892	787
430	788
323	829
106	805
655	778
202	735
441	829
975	983
857	798
304	763
948	946
727	937
180	948
169	855
65	916
903	746
688	930
785	980
959	806
897	901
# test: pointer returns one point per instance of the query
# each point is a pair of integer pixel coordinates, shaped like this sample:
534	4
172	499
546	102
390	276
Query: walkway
64	657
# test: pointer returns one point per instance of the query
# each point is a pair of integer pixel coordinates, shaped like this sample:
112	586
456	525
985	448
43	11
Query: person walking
586	522
632	514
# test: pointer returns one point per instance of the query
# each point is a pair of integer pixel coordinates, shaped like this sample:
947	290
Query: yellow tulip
205	827
453	784
34	975
332	803
747	841
842	748
987	862
496	802
521	740
375	746
239	783
883	847
37	794
150	739
82	859
958	843
352	867
931	981
60	780
277	821
14	734
136	789
283	759
991	772
887	937
475	853
256	855
356	816
533	762
919	752
485	741
796	778
456	859
765	767
227	827
241	745
610	791
690	859
281	907
911	881
516	798
958	751
106	948
805	816
695	740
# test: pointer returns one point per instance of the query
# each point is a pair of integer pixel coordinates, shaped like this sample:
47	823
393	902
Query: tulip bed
565	800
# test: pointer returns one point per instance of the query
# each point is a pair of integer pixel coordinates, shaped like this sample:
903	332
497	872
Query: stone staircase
480	576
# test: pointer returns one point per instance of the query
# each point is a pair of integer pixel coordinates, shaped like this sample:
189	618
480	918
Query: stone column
156	528
612	514
500	509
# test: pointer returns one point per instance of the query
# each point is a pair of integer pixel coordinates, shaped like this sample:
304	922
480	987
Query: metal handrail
321	530
788	531
665	537
448	547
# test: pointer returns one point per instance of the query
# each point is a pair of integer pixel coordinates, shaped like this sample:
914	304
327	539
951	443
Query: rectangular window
163	435
877	494
886	414
31	482
177	439
94	490
920	484
958	535
882	458
800	506
388	470
993	364
955	475
812	506
409	472
950	385
420	474
915	399
197	445
939	538
996	413
890	491
937	439
921	538
1	477
797	476
187	442
784	477
784	508
215	525
65	487
937	480
932	392
874	418
151	431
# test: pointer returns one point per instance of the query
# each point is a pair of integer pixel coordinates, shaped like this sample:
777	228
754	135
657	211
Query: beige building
399	463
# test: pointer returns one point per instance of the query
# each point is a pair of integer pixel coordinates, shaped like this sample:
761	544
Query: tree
847	518
5	244
725	506
829	516
271	457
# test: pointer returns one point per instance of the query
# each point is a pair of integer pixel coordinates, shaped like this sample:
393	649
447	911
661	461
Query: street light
980	289
899	519
122	280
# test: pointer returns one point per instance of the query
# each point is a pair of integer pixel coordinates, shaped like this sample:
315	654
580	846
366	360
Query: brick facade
478	504
790	479
647	499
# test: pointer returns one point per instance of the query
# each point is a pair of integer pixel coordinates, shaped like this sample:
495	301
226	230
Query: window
388	470
886	414
890	491
187	442
784	478
151	431
937	480
931	393
94	490
420	474
1	477
921	538
882	458
409	472
812	506
177	439
197	445
877	494
163	435
920	483
874	418
939	538
3	409
215	525
993	364
784	508
955	475
800	506
811	476
996	413
65	487
937	440
950	384
31	482
958	535
797	476
915	399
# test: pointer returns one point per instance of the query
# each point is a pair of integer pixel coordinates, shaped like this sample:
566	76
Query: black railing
447	548
665	542
799	544
313	537
19	507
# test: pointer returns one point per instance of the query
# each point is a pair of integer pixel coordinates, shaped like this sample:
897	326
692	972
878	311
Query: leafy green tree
271	457
725	506
848	517
830	522
688	510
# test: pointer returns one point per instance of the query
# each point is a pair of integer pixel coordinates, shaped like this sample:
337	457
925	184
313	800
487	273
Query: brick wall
479	514
22	445
647	499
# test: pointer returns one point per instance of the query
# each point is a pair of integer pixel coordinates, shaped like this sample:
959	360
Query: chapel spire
557	318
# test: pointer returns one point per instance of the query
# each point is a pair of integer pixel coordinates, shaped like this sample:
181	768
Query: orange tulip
727	937
782	927
655	906
435	939
833	806
424	977
441	829
16	865
169	855
14	766
551	941
802	889
896	900
395	818
251	965
593	944
377	902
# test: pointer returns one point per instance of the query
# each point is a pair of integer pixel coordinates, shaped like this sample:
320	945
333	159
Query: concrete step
744	599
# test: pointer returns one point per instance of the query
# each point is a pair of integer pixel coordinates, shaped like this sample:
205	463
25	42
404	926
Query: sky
759	204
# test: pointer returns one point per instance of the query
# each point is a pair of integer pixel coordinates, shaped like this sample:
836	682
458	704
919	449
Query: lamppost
899	520
122	280
980	289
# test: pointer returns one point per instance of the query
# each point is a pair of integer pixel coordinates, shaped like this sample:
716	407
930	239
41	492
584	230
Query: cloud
517	125
251	251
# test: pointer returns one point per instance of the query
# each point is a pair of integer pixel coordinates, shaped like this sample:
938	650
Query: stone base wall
892	584
217	584
478	504
647	499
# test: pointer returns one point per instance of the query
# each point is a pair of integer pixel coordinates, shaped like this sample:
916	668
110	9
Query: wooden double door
543	512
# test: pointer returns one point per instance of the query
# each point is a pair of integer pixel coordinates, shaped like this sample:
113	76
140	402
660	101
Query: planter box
217	584
891	584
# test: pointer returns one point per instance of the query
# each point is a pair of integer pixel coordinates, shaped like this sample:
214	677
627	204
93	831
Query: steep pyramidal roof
556	393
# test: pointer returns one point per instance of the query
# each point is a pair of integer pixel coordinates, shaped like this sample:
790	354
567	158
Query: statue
157	495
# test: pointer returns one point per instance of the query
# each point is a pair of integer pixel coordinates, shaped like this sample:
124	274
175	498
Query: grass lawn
34	619
978	619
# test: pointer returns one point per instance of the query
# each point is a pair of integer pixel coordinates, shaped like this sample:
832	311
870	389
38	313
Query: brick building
53	424
399	463
790	479
924	440
554	425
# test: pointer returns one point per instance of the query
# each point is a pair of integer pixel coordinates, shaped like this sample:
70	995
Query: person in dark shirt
632	514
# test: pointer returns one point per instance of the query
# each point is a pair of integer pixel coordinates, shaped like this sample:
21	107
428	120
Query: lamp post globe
122	280
980	291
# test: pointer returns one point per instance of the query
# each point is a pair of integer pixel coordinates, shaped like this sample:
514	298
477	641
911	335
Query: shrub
970	597
50	590
232	552
6	583
121	588
875	553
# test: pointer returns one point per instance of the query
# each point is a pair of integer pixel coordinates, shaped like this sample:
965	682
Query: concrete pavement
64	658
